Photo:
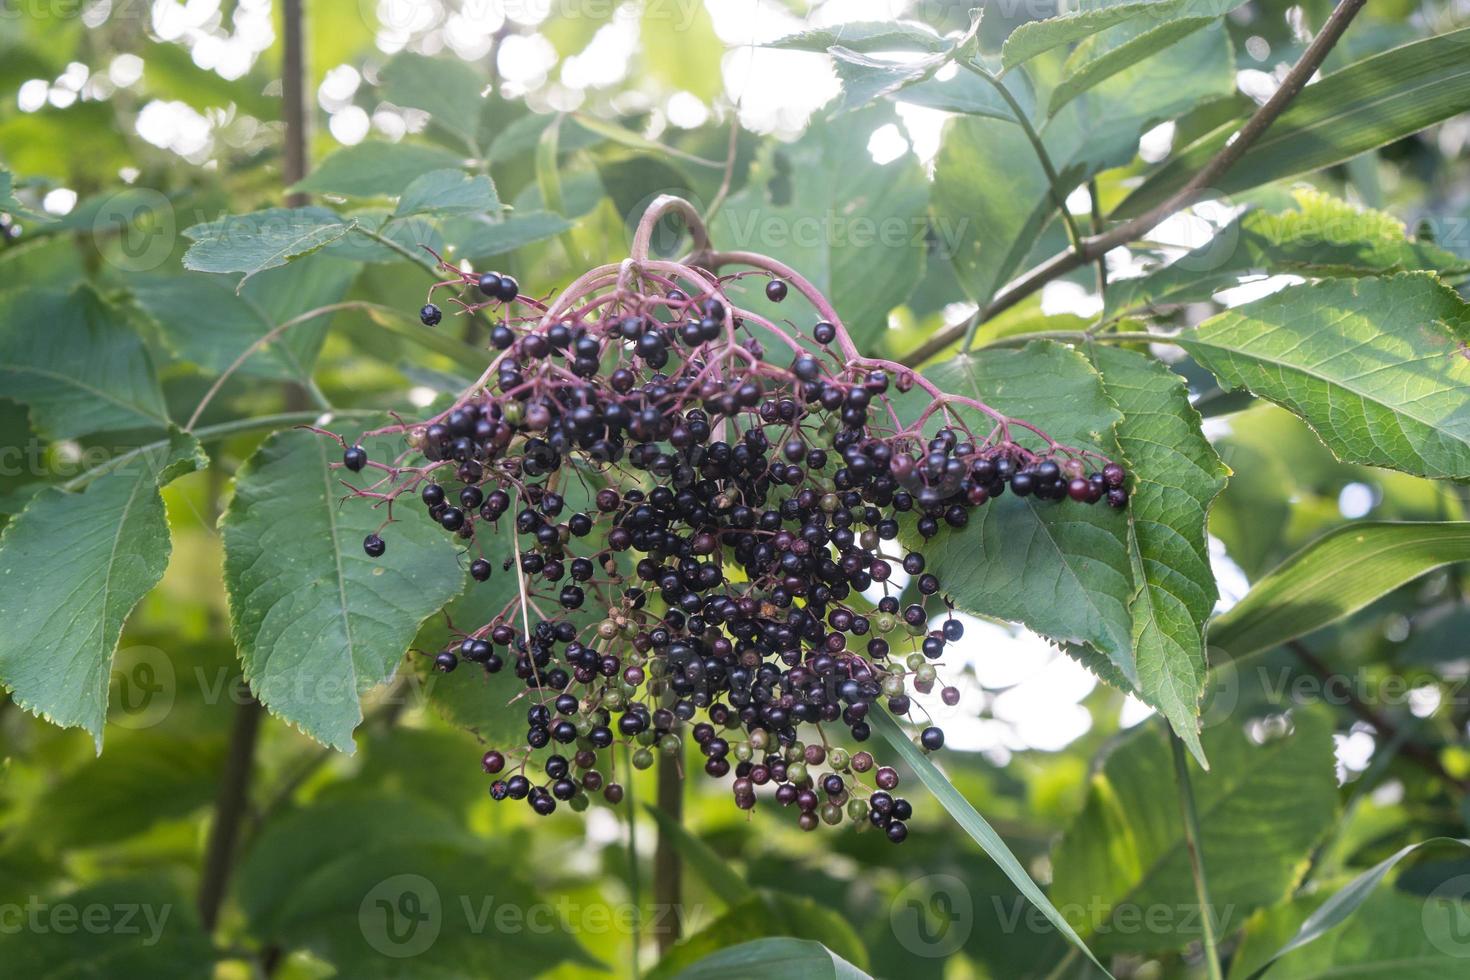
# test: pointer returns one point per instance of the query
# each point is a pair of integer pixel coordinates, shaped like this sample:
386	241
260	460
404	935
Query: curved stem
663	205
259	343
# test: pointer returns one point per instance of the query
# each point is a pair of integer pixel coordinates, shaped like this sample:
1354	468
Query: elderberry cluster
705	539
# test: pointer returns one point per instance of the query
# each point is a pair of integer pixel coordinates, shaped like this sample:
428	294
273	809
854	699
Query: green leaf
970	94
772	914
298	844
991	225
859	240
446	88
149	930
996	220
1323	237
866	79
680	49
1122	867
481	239
10	205
976	826
369	898
72	359
1333	577
865	36
1368	104
448	192
253	243
317	622
774	959
182	775
1398	935
1377	367
1064	571
718	877
63	619
1176	476
376	169
235	322
1034	37
1103	55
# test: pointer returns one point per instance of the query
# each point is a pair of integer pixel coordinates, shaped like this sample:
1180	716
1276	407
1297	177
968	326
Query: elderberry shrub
739	508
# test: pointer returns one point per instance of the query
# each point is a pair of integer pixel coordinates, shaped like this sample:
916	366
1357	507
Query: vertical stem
229	809
667	896
1190	817
635	880
1097	229
293	97
234	791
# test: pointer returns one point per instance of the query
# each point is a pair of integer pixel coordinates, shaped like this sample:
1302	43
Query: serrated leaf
859	240
150	930
1324	236
774	959
1124	860
448	192
10	205
376	169
866	79
1333	577
446	88
236	321
1176	475
72	359
1062	569
865	36
1396	935
480	239
63	618
821	930
253	243
1377	367
1368	104
318	623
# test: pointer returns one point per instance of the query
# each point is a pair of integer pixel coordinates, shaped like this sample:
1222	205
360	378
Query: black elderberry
490	284
374	546
430	315
776	290
354	458
480	570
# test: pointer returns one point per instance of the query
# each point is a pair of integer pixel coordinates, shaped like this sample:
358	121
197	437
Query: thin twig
1192	842
1098	245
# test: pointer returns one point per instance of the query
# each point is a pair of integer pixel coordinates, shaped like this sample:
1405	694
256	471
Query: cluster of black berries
706	541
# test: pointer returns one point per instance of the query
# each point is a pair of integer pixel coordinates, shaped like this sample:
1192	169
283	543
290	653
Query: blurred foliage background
125	123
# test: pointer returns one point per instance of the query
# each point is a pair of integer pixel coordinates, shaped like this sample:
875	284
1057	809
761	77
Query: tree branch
1095	246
